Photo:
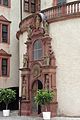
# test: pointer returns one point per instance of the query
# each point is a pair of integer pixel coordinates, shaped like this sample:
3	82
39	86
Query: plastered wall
12	14
22	50
66	45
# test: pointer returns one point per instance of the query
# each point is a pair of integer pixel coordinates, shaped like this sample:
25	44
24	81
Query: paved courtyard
14	116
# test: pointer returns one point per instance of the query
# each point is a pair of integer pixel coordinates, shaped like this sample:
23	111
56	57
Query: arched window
37	50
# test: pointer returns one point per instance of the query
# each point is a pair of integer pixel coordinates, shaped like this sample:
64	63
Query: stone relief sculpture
46	60
38	23
29	32
25	61
24	88
23	91
47	82
46	26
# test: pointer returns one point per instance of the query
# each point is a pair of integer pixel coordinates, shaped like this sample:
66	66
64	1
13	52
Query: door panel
36	85
34	91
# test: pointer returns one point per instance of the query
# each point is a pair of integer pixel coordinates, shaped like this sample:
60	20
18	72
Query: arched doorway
36	86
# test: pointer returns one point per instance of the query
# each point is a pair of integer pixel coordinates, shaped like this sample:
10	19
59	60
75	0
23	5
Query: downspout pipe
21	10
20	97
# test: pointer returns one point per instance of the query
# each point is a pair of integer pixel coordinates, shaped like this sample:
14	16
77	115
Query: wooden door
35	107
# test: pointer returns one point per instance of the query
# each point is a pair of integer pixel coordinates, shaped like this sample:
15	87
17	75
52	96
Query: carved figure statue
47	60
25	61
47	81
46	26
24	89
29	31
38	23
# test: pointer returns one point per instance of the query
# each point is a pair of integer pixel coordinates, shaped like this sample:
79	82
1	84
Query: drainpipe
20	97
21	9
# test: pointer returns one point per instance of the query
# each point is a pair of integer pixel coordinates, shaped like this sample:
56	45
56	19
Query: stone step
14	116
36	118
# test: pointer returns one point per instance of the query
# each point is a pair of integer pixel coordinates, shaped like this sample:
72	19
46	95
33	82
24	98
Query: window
4	33
0	1
60	2
31	5
4	30
5	3
4	66
4	63
26	5
37	50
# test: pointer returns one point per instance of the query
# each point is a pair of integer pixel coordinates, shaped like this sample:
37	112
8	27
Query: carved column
49	73
25	74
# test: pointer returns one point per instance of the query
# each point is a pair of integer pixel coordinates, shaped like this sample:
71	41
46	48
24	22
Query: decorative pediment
39	25
2	18
33	24
4	53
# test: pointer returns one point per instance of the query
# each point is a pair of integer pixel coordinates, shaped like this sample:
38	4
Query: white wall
13	15
46	4
71	0
66	46
22	50
49	3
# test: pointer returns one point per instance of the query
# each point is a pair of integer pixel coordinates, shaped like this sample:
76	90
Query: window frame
62	2
34	5
4	2
56	3
8	66
0	2
4	67
30	3
37	50
9	4
8	36
26	2
4	34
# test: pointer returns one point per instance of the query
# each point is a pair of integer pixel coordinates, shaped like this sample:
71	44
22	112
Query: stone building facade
9	66
49	37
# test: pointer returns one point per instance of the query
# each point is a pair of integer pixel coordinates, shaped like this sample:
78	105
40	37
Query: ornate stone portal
39	68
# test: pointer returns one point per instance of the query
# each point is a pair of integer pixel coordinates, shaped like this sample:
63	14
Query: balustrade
62	10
